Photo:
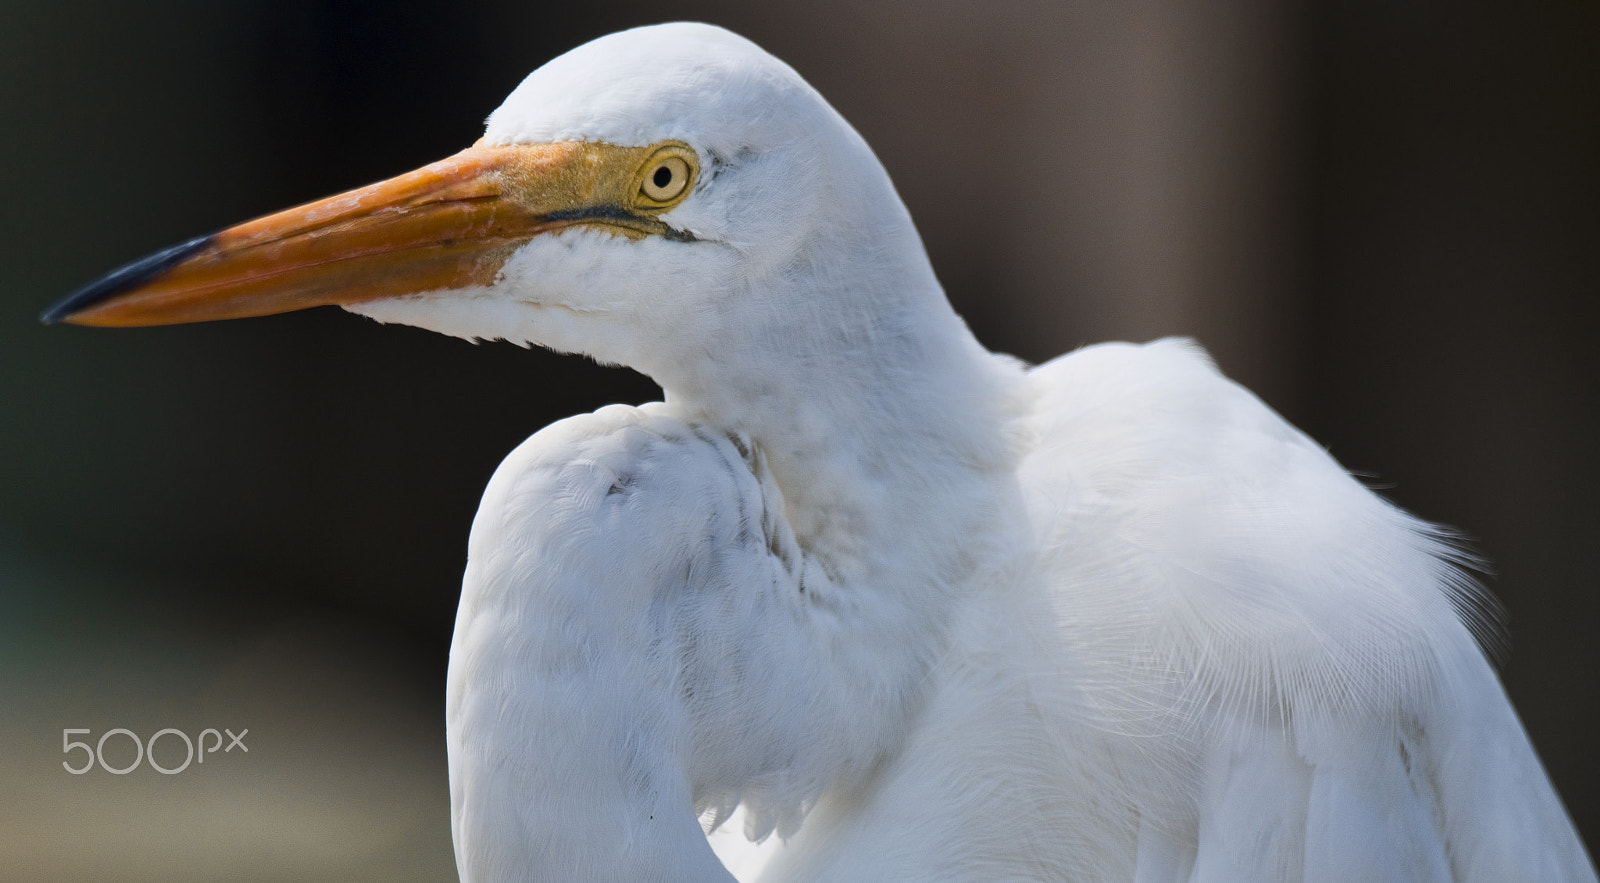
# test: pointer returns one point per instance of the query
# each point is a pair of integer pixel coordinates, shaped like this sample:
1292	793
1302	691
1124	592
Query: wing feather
1287	661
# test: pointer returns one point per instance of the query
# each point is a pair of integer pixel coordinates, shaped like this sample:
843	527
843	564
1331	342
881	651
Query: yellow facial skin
451	224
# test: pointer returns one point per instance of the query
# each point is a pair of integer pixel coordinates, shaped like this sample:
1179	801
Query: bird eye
665	179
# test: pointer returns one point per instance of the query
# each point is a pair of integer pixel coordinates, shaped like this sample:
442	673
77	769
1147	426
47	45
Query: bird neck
892	466
759	677
899	408
566	729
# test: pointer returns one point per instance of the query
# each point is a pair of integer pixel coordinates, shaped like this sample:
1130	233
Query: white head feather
800	239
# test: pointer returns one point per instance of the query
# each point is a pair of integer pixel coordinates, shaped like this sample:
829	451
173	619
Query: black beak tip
59	311
122	278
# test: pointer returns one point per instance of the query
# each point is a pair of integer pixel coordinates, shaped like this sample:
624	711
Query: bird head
647	199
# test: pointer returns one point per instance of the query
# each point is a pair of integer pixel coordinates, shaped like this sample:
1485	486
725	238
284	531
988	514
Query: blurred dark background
1382	216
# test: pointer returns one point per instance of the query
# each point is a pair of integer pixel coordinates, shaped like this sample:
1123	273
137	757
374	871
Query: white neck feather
598	727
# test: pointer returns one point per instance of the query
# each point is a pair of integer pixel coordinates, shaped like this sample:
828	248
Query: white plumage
1108	618
910	610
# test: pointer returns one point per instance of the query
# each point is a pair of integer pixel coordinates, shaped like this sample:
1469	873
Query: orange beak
445	226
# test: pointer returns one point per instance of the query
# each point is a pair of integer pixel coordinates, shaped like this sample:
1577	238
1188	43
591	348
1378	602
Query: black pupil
662	177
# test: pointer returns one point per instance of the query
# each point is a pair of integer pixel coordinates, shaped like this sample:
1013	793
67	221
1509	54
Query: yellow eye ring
665	179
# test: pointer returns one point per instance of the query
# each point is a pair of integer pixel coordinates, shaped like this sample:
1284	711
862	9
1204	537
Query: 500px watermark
146	751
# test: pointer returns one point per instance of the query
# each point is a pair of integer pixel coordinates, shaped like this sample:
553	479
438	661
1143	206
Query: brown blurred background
1380	215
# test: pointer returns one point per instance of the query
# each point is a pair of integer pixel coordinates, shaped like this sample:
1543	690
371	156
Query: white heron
918	610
